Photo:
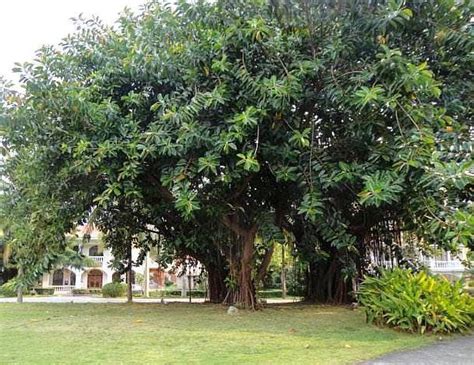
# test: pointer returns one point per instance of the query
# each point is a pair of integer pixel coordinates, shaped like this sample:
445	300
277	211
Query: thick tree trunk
325	282
246	291
242	293
216	280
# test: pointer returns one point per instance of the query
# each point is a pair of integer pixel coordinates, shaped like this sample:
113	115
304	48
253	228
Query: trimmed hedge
86	291
416	302
270	293
177	293
44	291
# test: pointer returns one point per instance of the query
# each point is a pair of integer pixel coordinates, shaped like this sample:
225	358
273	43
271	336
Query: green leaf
208	164
311	206
381	187
248	161
301	139
366	95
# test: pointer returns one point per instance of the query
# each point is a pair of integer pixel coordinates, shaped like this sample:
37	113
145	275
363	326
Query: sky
26	25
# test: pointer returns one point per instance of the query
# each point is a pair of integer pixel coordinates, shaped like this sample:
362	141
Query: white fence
433	265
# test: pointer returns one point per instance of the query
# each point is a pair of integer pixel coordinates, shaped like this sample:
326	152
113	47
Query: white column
46	282
183	280
66	277
83	280
78	278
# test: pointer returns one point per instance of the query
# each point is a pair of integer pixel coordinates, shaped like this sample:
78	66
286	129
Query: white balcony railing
451	265
432	264
97	258
62	289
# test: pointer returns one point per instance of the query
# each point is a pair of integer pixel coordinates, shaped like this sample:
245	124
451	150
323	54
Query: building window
72	279
94	251
58	277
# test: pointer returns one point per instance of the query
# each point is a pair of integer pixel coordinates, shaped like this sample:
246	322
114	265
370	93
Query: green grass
191	334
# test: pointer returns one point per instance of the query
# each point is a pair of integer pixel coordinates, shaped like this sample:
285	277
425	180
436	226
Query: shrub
177	293
139	279
114	290
86	291
197	293
80	291
416	302
270	293
166	293
295	282
8	289
168	282
44	291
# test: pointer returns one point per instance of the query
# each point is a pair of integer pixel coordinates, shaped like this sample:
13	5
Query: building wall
158	276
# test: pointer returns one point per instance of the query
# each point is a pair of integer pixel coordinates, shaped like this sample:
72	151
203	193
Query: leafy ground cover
199	333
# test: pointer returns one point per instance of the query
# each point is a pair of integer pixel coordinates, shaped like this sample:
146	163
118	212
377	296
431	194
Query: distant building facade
64	279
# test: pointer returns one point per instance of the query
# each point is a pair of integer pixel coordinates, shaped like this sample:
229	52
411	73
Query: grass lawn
37	333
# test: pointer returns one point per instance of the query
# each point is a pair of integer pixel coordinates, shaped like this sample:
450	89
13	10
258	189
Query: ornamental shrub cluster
114	290
8	289
416	302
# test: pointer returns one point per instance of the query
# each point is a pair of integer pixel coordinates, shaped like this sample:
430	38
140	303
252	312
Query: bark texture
325	282
19	291
129	276
241	260
217	273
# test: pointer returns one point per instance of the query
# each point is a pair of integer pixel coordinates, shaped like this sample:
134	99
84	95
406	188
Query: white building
439	262
64	280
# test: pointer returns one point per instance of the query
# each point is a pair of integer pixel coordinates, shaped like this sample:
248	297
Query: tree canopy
199	126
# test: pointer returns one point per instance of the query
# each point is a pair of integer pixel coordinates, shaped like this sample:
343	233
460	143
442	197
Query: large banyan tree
199	126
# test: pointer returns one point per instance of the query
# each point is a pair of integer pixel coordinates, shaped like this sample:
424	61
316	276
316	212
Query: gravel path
456	352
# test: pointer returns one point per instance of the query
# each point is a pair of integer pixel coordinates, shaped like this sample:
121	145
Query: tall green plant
416	302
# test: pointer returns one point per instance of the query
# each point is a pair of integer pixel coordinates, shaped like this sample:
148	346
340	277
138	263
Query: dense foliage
114	290
8	289
200	127
417	302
